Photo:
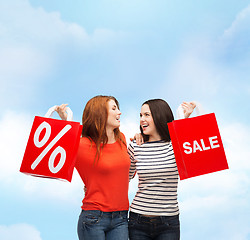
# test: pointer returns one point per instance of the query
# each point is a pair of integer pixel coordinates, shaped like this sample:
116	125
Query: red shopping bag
197	146
52	147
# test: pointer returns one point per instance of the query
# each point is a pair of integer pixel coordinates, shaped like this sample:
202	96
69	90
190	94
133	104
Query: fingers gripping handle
53	109
199	111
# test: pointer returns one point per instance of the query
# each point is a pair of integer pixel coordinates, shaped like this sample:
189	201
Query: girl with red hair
103	165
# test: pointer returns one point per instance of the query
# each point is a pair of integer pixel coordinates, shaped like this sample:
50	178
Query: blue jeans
153	228
98	225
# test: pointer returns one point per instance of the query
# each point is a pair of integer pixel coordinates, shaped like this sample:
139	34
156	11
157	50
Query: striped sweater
155	165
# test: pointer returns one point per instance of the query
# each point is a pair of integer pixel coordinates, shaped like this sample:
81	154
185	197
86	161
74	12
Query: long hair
94	121
162	115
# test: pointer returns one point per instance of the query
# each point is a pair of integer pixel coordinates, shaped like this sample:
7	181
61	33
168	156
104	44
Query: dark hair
94	120
162	115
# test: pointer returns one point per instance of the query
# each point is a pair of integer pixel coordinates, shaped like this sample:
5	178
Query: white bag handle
199	110
53	109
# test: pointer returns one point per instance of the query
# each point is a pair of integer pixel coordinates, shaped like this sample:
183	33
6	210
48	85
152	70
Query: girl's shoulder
85	140
123	137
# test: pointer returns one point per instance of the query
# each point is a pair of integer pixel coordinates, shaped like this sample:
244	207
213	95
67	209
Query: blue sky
54	52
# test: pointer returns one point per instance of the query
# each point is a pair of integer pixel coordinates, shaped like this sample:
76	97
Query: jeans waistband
143	218
107	214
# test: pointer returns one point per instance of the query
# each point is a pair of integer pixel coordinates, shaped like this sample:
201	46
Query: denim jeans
98	225
153	228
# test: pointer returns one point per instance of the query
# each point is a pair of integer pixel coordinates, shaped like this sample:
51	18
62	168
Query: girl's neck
111	136
155	137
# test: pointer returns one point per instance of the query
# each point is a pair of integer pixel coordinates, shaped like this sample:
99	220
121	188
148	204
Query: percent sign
39	144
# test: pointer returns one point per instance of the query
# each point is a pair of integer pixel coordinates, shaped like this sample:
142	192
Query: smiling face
147	123
114	114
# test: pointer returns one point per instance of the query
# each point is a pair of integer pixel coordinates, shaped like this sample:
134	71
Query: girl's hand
188	108
138	138
61	110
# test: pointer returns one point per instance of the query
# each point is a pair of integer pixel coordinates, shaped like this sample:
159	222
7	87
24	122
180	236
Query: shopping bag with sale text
52	147
197	146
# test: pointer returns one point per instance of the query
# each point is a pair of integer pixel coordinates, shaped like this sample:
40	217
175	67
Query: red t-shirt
107	179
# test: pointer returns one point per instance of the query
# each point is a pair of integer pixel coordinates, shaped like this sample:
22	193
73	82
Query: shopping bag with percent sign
52	147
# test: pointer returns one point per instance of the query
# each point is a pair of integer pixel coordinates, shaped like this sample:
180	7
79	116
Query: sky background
62	51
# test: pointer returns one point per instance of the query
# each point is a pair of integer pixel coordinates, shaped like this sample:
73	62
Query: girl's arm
132	170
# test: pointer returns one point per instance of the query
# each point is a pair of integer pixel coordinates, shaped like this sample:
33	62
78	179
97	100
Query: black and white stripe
155	165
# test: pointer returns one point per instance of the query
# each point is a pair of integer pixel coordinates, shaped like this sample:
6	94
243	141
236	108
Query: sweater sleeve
132	170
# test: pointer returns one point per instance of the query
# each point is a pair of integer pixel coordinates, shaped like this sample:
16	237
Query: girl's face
114	114
147	123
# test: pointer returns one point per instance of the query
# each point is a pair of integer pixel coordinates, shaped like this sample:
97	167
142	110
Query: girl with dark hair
154	212
103	165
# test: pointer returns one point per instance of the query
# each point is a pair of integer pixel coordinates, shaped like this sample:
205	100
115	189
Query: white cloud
33	45
14	131
239	25
27	25
19	231
22	23
220	200
233	48
46	32
236	140
209	68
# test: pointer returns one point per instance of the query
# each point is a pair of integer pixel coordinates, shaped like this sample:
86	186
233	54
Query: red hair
94	120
